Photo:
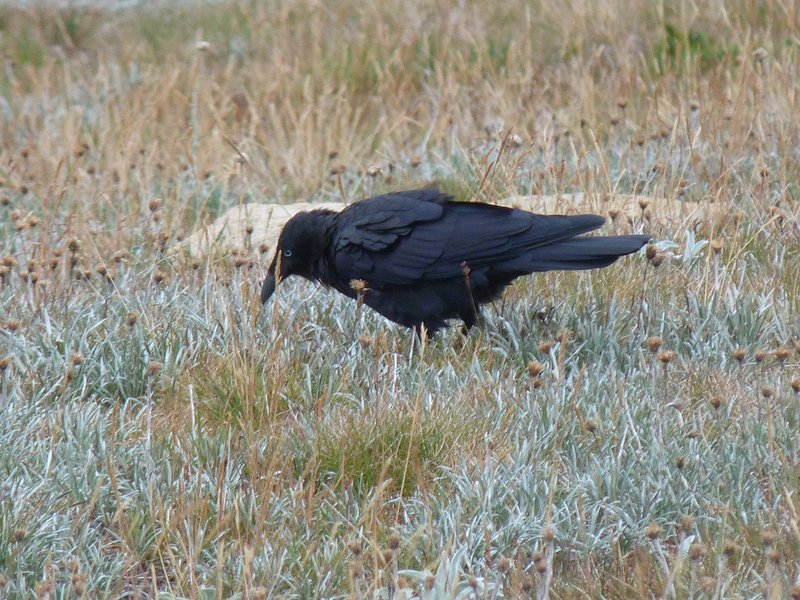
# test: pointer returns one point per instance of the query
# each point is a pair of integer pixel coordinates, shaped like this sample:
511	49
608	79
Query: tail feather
580	253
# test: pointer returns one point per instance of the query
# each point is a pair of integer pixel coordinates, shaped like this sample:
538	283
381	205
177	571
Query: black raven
419	258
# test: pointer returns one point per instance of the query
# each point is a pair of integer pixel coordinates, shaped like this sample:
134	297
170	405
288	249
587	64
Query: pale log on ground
230	231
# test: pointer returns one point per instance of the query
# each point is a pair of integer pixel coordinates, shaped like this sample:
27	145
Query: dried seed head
43	589
729	548
195	264
73	565
653	531
248	229
159	276
388	555
715	401
774	556
131	319
5	200
739	354
590	425
622	102
548	535
760	54
658	260
505	565
416	160
716	246
5	362
77	359
767	392
241	260
654	343
761	356
202	46
20	534
74	245
259	593
541	565
767	538
537	383
686	523
374	171
613	213
795	592
153	368
680	462
535	368
666	356
394	541
365	341
354	547
651	251
643	203
12	325
795	385
694	105
79	585
527	584
696	551
359	286
473	582
782	354
154	204
545	347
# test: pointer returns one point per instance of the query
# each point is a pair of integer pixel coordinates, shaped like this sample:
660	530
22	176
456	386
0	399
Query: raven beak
268	288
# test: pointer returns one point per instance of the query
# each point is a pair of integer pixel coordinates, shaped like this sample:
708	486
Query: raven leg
429	331
470	318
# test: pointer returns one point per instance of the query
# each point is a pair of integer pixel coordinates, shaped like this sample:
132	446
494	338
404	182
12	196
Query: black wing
411	237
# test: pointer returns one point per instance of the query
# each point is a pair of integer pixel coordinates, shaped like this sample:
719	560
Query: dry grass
162	438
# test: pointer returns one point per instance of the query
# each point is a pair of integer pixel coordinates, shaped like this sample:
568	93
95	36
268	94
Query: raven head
301	243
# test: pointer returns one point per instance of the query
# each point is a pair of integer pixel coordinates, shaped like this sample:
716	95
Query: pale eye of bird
287	253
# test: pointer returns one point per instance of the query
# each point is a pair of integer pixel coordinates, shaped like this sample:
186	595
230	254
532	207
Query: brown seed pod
535	368
666	356
653	531
654	343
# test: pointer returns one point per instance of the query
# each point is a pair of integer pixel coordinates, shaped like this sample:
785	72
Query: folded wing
420	236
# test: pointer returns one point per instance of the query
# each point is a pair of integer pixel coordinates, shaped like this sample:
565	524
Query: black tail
580	253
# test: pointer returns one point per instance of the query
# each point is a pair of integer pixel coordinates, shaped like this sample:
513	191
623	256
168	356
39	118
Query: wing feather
420	236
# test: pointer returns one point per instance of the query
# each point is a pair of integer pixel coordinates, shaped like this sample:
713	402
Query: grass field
626	433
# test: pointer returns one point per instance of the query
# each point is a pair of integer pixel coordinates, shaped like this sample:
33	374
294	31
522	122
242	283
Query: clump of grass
402	449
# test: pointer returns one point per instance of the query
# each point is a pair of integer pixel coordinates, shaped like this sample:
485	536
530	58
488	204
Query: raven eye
287	253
